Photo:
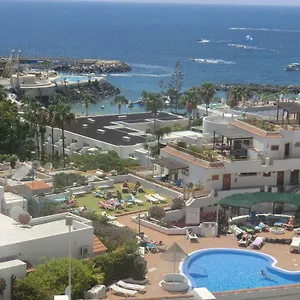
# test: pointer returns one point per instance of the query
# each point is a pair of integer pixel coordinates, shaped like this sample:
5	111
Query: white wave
264	29
139	75
213	61
203	41
252	48
149	67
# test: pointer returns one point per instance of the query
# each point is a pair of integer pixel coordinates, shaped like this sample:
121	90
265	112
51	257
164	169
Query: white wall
7	269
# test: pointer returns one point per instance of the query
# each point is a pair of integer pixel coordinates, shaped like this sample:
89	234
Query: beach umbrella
174	254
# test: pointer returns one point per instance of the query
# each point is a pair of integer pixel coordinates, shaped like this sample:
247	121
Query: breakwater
261	88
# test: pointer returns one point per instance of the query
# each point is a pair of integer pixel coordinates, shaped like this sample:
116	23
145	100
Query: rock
99	66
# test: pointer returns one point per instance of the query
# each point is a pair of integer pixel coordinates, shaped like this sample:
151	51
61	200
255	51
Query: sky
222	2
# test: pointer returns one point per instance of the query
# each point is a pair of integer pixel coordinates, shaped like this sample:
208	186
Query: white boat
293	67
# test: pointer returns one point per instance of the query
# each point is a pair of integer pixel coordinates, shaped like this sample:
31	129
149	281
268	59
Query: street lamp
69	222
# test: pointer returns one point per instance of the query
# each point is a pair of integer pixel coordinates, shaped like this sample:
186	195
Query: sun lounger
134	200
244	243
295	245
116	223
105	205
130	286
258	243
109	217
151	247
190	237
118	290
151	199
159	197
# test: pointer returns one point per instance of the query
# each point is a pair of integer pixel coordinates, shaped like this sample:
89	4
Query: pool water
229	269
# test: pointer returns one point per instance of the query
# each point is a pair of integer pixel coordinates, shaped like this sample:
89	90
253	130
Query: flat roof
233	133
9	197
114	127
291	107
38	185
11	233
170	163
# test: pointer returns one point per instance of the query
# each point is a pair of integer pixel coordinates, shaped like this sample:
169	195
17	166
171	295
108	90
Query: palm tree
119	100
32	107
153	102
237	94
52	117
86	101
63	116
192	97
208	92
43	121
159	133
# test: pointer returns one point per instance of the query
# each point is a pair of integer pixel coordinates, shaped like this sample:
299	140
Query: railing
294	188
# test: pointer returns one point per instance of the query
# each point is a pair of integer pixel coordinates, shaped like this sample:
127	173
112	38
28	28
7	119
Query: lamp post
139	224
69	222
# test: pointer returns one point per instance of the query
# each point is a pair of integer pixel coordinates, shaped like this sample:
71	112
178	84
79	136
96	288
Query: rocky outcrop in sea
74	93
99	66
261	88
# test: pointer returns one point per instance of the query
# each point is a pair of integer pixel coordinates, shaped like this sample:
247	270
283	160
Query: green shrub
156	212
177	203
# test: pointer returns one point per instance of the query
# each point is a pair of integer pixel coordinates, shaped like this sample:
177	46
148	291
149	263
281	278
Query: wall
212	123
174	215
7	269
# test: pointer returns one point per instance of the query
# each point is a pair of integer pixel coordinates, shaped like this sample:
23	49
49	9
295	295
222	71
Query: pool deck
158	267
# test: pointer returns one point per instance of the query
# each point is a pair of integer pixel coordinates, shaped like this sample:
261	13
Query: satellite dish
24	218
48	167
15	212
35	164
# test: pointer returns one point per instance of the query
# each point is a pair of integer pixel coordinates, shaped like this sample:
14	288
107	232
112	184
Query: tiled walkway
158	267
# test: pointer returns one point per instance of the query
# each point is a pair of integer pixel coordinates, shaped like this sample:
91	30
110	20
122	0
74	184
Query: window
248	174
267	174
215	177
274	147
297	144
246	142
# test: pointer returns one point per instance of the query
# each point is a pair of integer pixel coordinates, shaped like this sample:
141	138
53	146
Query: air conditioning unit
85	251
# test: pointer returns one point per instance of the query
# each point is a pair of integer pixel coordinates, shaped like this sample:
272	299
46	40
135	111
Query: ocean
152	37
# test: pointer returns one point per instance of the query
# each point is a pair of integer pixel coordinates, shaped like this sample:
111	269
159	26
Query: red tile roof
255	130
38	185
98	246
189	158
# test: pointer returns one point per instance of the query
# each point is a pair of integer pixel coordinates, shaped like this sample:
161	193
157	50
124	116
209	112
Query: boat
293	67
130	104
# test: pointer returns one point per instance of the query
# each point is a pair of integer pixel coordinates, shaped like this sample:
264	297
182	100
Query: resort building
125	134
22	246
9	200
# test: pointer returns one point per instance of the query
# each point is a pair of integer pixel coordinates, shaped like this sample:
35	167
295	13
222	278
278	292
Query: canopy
246	200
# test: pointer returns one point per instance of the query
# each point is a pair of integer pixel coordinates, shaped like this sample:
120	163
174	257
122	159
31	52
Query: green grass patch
90	201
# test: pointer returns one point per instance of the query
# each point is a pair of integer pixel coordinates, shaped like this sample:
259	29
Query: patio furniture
174	283
118	290
190	237
258	243
151	247
151	199
295	245
105	205
130	286
108	216
159	197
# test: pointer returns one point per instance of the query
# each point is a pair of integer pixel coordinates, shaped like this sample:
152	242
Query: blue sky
239	2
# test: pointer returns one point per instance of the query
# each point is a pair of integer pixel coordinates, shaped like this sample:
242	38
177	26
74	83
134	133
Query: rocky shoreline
94	89
261	88
98	66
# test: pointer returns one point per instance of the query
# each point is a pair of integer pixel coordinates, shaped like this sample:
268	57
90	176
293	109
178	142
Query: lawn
90	201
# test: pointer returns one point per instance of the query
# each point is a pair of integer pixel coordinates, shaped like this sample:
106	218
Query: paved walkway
158	267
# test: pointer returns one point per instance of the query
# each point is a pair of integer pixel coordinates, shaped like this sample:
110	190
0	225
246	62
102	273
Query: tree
160	132
119	101
32	107
3	93
51	278
207	92
236	94
153	102
43	121
63	116
192	98
156	212
2	286
176	85
86	101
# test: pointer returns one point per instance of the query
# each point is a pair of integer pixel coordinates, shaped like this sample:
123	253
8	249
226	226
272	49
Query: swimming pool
222	270
75	78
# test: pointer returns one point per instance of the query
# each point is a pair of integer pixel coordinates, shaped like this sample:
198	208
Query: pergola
290	108
172	165
234	141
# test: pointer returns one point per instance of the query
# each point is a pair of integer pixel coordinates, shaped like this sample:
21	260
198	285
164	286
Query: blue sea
152	37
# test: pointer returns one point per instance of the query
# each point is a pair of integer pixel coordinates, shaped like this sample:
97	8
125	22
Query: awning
170	163
246	200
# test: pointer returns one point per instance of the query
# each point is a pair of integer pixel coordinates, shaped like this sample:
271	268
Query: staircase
294	188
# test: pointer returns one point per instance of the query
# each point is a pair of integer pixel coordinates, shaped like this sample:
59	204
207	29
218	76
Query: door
294	177
280	180
287	150
226	182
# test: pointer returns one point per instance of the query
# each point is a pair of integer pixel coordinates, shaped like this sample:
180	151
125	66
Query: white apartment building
245	155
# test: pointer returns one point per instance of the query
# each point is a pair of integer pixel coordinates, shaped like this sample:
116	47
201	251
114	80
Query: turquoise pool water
231	269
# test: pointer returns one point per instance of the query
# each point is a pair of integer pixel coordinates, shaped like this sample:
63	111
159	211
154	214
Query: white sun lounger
137	201
159	197
191	237
130	286
118	290
295	245
151	199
